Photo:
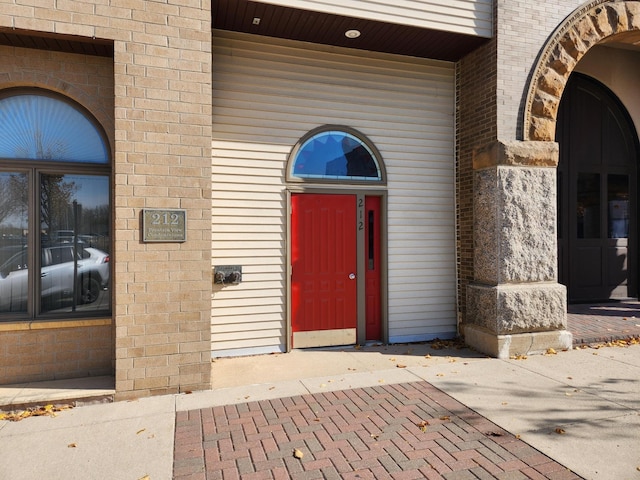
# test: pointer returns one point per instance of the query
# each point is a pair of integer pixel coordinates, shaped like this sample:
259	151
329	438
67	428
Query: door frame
360	193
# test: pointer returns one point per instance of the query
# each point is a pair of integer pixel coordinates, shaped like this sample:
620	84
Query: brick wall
163	160
476	126
160	124
86	79
522	28
55	351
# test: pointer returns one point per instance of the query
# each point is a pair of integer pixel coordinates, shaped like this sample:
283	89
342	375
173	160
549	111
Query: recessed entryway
597	194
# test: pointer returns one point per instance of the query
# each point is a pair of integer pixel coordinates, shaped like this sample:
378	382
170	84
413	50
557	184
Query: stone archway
514	303
591	24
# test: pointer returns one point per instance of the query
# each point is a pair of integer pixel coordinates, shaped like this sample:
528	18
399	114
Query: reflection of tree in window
55	201
359	161
44	149
13	195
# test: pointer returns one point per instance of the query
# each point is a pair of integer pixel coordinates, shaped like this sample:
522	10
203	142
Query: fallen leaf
494	434
439	374
401	366
428	355
272	388
560	431
374	436
422	425
140	431
297	453
445	418
518	436
518	357
551	351
72	445
146	477
47	410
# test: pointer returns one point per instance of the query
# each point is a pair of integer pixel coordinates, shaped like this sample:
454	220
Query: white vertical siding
470	17
269	93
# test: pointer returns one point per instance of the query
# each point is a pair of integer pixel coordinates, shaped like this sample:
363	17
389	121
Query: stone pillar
515	304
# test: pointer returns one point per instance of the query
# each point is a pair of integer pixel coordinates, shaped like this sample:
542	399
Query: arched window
335	154
54	208
40	127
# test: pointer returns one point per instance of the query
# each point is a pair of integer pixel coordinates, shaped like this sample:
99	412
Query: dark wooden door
597	194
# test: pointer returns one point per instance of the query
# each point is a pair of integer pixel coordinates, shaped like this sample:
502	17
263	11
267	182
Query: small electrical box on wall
227	274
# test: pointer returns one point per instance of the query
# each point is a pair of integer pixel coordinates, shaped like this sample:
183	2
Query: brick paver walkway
404	431
605	322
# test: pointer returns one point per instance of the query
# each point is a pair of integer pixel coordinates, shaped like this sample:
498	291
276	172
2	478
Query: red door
372	269
323	278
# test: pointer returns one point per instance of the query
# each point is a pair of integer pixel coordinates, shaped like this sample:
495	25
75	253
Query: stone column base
506	346
517	308
516	319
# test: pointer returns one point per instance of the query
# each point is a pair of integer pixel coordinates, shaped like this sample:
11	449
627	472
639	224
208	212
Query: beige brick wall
55	351
86	79
160	127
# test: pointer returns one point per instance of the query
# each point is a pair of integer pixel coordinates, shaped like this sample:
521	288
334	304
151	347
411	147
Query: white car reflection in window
57	276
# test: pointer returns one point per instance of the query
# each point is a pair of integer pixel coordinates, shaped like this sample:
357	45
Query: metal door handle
352	276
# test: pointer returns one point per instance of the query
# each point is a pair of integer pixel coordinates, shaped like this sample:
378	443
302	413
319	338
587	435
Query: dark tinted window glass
588	205
74	221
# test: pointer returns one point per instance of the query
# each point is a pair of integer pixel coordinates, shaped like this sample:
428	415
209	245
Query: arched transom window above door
333	154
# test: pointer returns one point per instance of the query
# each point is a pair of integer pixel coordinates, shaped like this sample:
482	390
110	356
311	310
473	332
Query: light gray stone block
519	308
515	225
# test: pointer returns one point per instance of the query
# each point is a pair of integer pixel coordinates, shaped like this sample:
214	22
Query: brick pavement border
403	431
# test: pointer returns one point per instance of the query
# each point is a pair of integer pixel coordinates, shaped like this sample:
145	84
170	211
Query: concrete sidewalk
592	395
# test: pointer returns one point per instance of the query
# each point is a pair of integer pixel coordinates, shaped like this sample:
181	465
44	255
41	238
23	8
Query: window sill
54	324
